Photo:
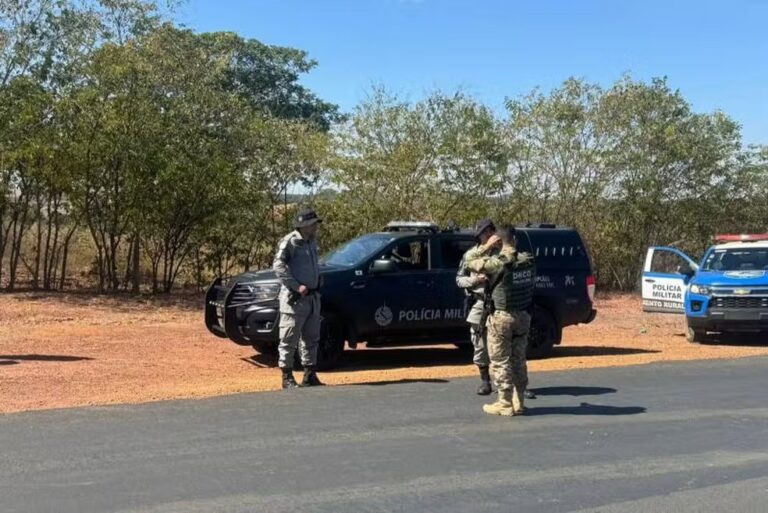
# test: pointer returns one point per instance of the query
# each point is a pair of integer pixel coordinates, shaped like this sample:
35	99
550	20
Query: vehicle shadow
401	382
599	351
12	359
738	340
572	391
585	409
432	356
262	361
381	359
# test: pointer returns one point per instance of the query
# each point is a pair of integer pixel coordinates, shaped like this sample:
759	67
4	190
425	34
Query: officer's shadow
583	408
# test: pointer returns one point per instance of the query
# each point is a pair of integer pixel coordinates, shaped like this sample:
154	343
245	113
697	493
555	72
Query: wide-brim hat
306	217
483	225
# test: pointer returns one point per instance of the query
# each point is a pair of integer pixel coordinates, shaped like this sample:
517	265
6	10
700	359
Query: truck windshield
353	252
737	259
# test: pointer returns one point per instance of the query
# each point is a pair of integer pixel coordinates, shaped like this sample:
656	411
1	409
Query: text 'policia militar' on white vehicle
727	291
397	287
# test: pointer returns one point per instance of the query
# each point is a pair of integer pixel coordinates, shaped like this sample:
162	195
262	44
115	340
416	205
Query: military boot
288	381
485	381
310	378
518	401
529	394
502	406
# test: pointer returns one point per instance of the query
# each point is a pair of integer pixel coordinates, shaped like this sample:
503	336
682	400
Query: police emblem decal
383	316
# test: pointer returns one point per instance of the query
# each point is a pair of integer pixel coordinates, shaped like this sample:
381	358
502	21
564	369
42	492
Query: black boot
288	381
310	378
529	394
485	385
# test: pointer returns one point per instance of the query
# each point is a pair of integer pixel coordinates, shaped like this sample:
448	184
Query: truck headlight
264	292
701	289
248	293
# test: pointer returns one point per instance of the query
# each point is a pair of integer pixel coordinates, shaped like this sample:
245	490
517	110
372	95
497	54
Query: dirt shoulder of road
65	350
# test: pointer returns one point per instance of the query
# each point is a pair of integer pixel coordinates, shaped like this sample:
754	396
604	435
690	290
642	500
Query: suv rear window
452	250
561	249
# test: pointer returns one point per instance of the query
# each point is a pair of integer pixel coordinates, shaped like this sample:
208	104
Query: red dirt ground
63	350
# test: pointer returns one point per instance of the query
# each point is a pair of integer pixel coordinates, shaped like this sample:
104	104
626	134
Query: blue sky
715	52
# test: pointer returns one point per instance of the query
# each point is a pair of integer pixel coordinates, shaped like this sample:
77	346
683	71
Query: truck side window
452	251
666	262
410	256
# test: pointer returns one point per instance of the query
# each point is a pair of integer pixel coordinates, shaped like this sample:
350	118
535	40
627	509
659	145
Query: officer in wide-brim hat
297	267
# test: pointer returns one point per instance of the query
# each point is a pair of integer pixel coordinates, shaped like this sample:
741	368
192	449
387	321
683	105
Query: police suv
726	292
398	286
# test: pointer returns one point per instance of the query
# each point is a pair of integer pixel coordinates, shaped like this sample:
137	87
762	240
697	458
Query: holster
294	297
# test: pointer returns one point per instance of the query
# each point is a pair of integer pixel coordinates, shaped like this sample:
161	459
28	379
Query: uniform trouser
299	328
507	342
480	342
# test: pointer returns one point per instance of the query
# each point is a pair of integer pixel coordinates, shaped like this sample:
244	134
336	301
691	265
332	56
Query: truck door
403	300
666	274
453	300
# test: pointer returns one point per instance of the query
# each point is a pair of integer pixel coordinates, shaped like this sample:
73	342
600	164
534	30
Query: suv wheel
695	336
267	348
543	334
331	345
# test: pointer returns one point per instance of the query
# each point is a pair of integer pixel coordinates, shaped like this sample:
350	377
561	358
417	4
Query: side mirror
685	270
383	266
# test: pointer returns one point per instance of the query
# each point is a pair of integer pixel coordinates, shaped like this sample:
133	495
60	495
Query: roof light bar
744	237
411	226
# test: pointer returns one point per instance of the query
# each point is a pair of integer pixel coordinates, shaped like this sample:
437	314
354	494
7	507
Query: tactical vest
514	291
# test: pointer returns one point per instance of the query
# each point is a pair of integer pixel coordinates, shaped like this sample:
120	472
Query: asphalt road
657	438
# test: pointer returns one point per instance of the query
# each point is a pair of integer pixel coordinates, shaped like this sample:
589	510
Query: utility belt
294	296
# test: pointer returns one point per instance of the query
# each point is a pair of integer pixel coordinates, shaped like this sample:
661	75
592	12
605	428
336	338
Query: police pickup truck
398	286
726	292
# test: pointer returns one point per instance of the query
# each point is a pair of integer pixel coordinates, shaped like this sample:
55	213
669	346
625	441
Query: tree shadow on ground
585	409
11	359
600	351
116	301
573	391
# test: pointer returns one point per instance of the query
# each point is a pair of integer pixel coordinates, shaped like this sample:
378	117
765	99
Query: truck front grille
740	302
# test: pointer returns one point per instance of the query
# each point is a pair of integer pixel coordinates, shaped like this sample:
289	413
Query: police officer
296	265
474	286
512	276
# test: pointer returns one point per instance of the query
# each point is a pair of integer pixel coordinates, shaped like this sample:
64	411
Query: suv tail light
591	288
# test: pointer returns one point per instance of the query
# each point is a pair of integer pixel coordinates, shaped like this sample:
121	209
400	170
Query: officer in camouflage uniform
296	265
474	286
512	276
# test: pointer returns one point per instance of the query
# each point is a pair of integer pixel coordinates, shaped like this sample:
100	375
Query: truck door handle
424	283
357	284
648	280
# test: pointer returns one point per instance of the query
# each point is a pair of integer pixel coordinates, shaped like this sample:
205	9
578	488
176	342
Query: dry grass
63	350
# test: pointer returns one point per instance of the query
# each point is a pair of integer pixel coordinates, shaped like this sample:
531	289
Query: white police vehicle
727	291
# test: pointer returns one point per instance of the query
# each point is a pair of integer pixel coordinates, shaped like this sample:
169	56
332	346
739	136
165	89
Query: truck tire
543	334
331	344
266	348
695	336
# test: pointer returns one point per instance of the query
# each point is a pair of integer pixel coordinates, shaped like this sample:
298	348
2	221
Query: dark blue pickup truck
398	287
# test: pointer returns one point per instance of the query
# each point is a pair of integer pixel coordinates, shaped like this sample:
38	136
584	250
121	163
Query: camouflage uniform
514	275
296	263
